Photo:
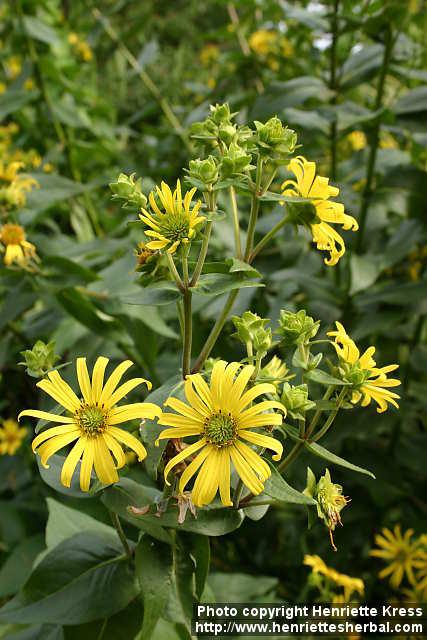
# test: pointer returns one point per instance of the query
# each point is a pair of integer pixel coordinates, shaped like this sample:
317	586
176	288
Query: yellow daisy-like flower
369	381
263	41
350	585
14	186
357	140
222	416
11	437
209	54
91	422
177	223
16	248
317	188
402	554
276	371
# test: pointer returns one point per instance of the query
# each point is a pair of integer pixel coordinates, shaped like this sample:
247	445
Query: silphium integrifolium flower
14	244
13	185
296	328
329	498
222	416
317	188
402	553
11	437
350	585
173	221
296	401
91	422
368	381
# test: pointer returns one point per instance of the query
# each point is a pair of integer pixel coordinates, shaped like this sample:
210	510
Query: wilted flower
368	381
318	189
329	498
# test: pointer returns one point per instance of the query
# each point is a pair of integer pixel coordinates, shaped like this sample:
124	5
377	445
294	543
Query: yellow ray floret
370	382
402	553
174	222
91	422
309	185
11	437
223	417
15	246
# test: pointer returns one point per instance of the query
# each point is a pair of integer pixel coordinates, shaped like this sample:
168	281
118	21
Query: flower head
15	246
91	422
350	585
357	140
318	189
275	371
263	41
176	223
402	553
368	381
221	416
11	437
13	185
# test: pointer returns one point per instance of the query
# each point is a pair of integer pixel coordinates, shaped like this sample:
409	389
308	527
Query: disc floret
91	419
220	429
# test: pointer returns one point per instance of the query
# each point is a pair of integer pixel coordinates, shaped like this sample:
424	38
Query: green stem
370	172
331	416
238	494
146	79
118	527
236	225
174	272
188	318
268	236
253	217
333	86
329	391
202	255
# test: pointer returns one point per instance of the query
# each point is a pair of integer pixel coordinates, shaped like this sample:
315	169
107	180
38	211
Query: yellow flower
357	140
402	554
13	192
29	84
276	371
223	418
177	223
308	185
48	167
91	422
209	54
369	382
13	67
73	38
387	141
349	584
11	437
17	249
262	41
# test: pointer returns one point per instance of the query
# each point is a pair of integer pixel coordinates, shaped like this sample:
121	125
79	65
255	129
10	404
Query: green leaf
82	579
214	284
210	521
276	487
184	578
163	292
82	309
17	567
13	99
52	477
38	632
361	65
364	272
238	266
240	587
151	429
317	375
154	564
321	452
414	101
292	93
201	554
38	30
124	625
64	522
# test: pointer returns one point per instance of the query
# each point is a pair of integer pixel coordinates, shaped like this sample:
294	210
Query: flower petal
188	451
132	411
263	441
71	461
129	440
103	462
84	380
51	433
98	378
87	465
44	415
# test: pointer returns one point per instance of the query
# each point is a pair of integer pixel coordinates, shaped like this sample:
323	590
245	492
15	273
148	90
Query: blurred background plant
89	90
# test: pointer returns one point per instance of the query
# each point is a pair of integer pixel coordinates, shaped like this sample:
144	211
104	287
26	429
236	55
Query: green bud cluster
297	328
251	329
205	171
274	138
40	359
296	401
235	160
129	191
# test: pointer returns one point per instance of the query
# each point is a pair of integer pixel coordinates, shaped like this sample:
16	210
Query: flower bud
297	328
275	371
220	114
235	160
204	170
273	136
250	328
40	359
128	190
296	401
262	340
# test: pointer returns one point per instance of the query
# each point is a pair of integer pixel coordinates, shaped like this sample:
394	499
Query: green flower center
356	376
175	226
91	419
220	429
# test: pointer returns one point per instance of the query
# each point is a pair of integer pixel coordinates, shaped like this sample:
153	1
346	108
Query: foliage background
152	70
